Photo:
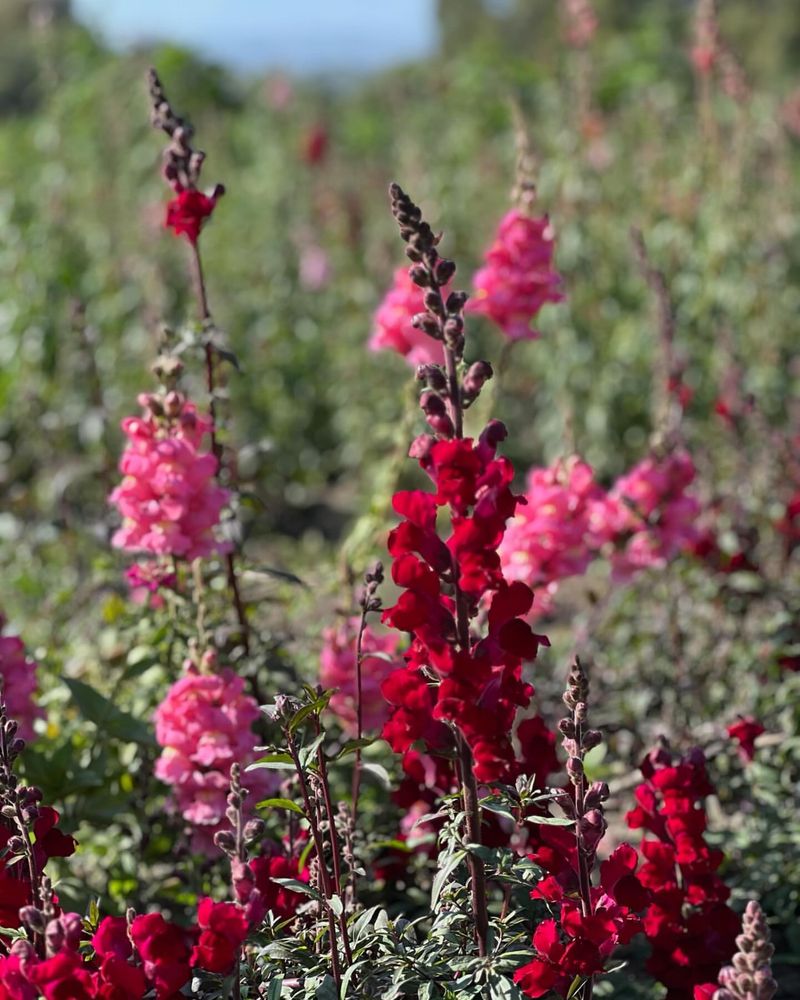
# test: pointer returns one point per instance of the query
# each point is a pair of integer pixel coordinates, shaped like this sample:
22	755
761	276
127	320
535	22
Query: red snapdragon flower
745	731
689	926
478	689
223	929
188	211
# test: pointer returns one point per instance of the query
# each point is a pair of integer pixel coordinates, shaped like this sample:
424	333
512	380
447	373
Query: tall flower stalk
459	692
186	215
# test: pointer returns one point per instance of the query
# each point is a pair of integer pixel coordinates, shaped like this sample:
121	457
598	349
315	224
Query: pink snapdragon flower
557	533
392	326
204	725
146	579
168	498
18	677
651	507
338	670
518	277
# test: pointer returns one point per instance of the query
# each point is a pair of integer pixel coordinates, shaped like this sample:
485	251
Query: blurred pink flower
518	277
314	267
556	534
168	498
393	330
338	670
204	724
651	508
18	677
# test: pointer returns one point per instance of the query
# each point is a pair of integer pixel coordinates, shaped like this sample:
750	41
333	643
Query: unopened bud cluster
750	975
182	163
586	805
443	320
368	599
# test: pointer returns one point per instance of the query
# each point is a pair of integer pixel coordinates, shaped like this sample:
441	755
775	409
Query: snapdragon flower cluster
204	725
518	277
130	958
688	923
393	324
556	534
169	500
592	919
516	280
190	208
642	522
455	679
338	670
18	682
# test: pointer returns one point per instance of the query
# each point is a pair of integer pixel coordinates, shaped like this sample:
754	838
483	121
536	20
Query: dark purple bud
428	323
477	374
419	275
445	269
456	302
433	302
592	738
432	404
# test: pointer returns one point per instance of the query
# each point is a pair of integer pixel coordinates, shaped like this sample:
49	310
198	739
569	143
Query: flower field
401	526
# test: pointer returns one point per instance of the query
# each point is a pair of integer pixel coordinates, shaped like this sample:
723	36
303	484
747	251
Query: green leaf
575	985
274	762
110	720
352	745
550	820
274	989
297	886
336	905
280	804
283	574
313	708
308	753
443	874
379	771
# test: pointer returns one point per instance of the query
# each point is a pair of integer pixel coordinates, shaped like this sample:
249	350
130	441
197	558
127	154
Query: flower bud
253	830
419	275
478	373
445	269
592	738
433	302
575	770
33	919
592	826
173	403
428	323
456	302
225	841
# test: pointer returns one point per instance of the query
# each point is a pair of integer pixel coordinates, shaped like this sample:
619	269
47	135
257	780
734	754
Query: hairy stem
216	448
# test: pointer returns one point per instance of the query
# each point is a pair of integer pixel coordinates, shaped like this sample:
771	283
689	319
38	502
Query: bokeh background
307	110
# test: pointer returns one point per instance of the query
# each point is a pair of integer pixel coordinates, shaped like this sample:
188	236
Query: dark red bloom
165	950
223	929
188	211
689	926
282	901
745	731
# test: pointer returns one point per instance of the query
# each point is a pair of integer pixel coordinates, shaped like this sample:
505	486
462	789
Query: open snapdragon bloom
204	725
338	670
558	531
168	498
393	328
650	506
518	277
